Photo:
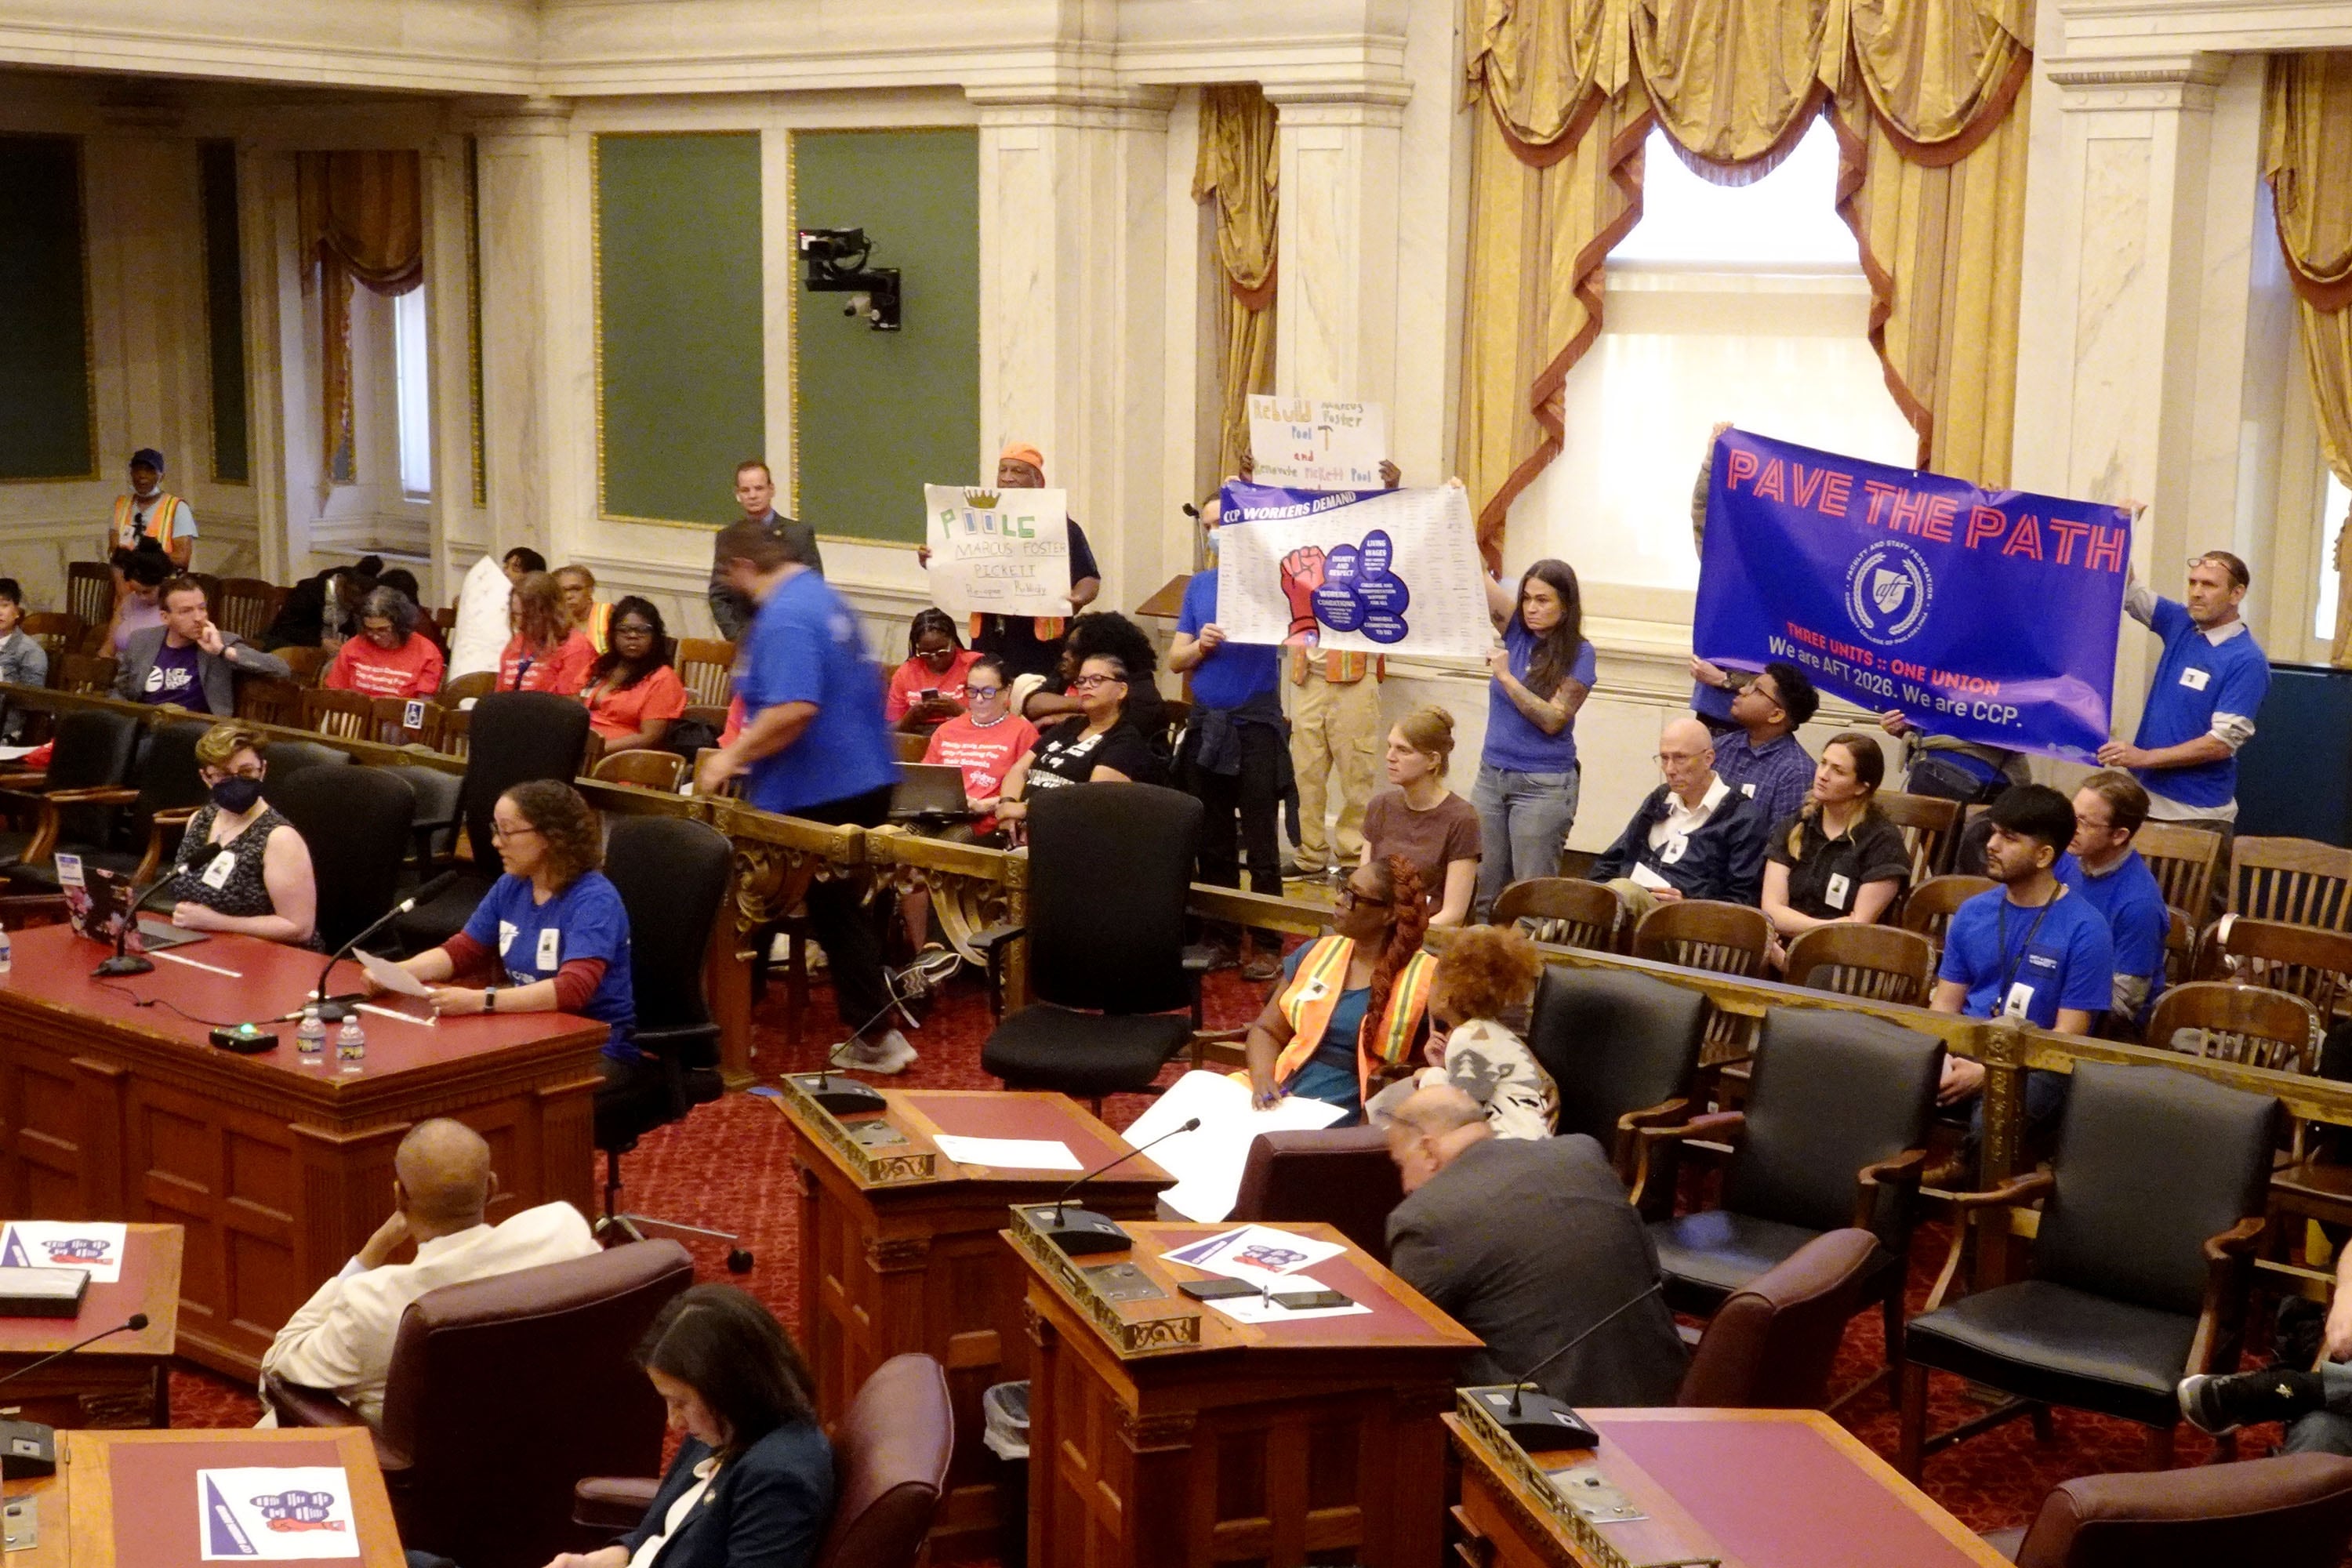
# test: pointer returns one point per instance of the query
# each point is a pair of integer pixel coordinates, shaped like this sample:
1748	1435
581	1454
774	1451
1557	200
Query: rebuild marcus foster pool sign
1986	616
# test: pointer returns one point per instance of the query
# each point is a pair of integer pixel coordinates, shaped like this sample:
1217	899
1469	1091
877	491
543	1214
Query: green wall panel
225	313
46	426
681	384
883	413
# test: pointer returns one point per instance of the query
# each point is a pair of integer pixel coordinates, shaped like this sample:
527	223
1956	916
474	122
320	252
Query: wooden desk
277	1171
122	1381
1161	1433
1760	1488
899	1252
128	1499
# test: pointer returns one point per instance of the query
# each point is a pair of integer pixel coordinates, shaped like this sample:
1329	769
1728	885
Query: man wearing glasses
1693	836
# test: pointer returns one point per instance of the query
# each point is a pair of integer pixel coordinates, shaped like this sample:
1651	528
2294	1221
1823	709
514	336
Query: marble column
1073	229
526	204
1336	300
2113	313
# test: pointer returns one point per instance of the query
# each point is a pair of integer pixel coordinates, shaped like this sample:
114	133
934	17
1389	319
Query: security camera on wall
835	260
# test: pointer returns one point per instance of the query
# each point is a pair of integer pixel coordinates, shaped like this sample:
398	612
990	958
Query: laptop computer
97	899
931	792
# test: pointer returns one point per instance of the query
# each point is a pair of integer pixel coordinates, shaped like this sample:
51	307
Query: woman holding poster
1525	794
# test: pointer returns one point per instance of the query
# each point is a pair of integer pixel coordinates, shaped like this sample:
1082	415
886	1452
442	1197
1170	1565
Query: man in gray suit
188	660
1528	1243
755	492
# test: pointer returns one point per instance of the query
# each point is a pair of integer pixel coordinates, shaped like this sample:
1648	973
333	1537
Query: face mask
236	795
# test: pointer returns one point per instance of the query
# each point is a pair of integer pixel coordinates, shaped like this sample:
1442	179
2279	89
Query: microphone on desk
425	894
1534	1419
1081	1231
29	1448
124	960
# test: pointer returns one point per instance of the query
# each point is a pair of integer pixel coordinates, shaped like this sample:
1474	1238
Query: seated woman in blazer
752	1482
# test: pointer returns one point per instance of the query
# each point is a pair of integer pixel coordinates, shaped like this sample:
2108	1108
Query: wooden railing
774	858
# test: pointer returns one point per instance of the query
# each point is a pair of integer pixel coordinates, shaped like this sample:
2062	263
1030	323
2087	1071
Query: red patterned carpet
729	1166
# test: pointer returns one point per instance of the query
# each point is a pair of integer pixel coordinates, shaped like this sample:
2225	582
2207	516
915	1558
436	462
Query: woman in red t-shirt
927	689
547	653
984	743
390	657
632	694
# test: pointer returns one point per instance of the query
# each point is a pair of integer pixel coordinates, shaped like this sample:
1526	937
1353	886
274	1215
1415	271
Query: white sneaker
890	1054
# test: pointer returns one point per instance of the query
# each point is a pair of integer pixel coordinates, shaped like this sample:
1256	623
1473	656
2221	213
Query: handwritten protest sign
1986	616
1305	444
1000	553
1371	572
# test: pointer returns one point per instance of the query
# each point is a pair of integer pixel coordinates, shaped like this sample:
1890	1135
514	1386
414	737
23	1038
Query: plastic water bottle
351	1045
310	1037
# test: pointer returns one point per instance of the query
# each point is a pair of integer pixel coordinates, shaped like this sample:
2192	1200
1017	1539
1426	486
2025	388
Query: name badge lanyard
2009	976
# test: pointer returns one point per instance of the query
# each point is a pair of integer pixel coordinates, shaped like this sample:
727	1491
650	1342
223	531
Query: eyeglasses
212	776
502	833
972	690
1348	899
1088	682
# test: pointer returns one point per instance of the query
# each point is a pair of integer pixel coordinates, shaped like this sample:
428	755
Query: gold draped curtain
1925	97
1237	165
2309	166
361	217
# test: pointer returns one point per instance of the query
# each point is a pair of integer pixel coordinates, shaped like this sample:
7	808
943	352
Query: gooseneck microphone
1535	1420
135	1323
1081	1231
124	960
424	894
28	1447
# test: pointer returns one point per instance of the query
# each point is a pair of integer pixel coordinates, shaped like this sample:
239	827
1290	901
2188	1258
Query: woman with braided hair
1351	1009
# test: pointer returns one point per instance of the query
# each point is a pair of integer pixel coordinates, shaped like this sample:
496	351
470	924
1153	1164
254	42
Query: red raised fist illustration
1302	573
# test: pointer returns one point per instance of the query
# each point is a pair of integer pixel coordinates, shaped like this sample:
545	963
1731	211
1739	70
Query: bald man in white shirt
342	1339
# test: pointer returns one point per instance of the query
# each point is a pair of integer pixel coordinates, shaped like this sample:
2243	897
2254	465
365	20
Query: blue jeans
2329	1430
1523	823
1333	1085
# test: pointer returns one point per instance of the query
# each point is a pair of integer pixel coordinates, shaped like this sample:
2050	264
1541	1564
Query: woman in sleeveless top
241	865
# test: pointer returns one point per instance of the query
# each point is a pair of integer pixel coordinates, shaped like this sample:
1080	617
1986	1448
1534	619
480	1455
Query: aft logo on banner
1986	616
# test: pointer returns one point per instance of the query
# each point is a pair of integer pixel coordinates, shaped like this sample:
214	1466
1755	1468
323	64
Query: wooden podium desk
122	1381
128	1499
1752	1489
277	1171
1162	1434
899	1252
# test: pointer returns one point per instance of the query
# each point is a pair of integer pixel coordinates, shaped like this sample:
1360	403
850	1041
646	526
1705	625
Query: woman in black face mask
241	866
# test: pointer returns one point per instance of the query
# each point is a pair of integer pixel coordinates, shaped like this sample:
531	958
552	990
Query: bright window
412	365
1788	218
2331	520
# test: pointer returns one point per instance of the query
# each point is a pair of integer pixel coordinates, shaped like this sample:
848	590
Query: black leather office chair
1621	1047
1109	866
110	823
355	823
672	877
1833	1135
2151	1210
517	736
284	759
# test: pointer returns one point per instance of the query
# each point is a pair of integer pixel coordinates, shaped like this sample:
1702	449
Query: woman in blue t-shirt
1525	794
551	936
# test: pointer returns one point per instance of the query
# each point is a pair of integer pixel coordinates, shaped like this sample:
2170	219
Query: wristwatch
489	998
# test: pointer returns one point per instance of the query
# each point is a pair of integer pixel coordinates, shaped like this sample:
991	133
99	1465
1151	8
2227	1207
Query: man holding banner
2208	687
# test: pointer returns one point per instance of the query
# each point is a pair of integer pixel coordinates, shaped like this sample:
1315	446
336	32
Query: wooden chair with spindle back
644	768
58	632
707	665
345	715
1567	911
391	726
1701	933
2298	881
306	663
266	699
2250	1025
86	675
456	736
458	689
2301	961
90	592
245	606
1931	829
1883	963
910	748
1928	909
2184	860
2179	948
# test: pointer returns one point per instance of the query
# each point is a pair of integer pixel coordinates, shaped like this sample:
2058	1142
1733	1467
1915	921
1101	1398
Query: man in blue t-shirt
814	745
1234	755
2027	949
2103	869
2208	687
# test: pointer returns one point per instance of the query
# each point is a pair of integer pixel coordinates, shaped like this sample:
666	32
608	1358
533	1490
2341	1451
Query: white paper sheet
1255	1253
1260	1310
1306	444
94	1245
998	551
1641	876
1009	1153
276	1514
1207	1163
391	977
